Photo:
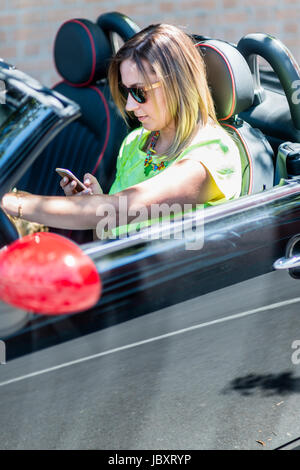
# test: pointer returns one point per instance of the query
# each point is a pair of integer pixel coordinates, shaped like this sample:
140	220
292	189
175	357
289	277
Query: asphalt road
214	372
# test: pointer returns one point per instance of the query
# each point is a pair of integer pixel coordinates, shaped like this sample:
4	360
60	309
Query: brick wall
28	27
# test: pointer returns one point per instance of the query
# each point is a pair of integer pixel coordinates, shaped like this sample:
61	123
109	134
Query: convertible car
185	334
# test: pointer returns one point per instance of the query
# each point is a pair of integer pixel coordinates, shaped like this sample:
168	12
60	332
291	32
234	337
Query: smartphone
64	172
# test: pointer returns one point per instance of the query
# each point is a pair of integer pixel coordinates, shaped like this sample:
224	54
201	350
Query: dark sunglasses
138	94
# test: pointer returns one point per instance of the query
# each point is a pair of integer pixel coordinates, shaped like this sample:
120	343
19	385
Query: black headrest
81	52
229	78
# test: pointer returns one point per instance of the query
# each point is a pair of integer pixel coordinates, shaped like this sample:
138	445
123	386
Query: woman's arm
185	182
57	211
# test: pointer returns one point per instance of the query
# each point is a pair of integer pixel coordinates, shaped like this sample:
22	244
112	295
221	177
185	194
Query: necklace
148	163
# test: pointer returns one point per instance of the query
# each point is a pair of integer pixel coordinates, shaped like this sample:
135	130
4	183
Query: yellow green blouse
212	146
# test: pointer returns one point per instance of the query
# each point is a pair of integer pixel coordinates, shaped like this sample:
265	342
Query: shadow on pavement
270	384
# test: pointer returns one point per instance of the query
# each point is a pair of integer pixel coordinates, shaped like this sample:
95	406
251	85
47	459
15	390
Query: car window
11	101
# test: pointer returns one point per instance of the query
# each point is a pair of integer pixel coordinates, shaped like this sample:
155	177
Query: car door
187	348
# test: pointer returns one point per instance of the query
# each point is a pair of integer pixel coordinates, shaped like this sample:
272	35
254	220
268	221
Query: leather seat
232	88
91	144
82	51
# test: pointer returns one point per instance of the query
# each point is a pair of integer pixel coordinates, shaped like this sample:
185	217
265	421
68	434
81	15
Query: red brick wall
28	27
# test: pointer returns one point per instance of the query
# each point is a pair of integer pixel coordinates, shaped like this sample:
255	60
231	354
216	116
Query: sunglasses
138	94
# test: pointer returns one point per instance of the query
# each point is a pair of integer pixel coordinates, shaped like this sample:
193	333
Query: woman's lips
141	118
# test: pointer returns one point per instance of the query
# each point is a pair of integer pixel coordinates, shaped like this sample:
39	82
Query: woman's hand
92	184
89	181
10	203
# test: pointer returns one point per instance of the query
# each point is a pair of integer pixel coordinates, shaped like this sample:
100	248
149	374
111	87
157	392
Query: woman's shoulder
216	150
210	137
210	133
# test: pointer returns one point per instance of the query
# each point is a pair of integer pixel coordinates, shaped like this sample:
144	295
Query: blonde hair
179	67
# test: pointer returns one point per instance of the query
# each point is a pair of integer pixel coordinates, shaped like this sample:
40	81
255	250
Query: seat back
91	144
82	51
231	84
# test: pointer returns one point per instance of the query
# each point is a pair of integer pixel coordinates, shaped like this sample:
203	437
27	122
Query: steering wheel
8	231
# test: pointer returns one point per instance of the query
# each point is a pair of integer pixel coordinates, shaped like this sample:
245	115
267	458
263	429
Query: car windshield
20	114
29	113
5	112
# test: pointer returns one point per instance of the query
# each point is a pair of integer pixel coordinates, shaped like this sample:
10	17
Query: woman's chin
147	126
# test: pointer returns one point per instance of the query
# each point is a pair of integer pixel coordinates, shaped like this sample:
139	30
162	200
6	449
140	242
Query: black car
184	335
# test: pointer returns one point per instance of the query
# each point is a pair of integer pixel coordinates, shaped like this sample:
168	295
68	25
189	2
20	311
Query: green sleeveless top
212	146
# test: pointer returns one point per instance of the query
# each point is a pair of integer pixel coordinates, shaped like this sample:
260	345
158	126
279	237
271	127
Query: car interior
258	108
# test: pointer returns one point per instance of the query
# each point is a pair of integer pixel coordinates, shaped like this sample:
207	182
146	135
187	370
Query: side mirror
48	274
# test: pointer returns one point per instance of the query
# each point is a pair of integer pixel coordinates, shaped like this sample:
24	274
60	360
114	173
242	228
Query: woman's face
151	117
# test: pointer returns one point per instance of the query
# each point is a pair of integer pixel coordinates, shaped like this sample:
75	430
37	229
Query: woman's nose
131	104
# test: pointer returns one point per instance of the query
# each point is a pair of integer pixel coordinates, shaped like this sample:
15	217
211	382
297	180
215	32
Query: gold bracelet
20	208
20	211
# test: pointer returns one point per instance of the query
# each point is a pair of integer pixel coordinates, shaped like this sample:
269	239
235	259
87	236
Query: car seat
231	84
82	51
276	109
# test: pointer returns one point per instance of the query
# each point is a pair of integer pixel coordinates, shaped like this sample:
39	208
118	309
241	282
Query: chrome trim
287	263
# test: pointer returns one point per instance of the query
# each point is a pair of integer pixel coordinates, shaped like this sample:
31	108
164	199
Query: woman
179	155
